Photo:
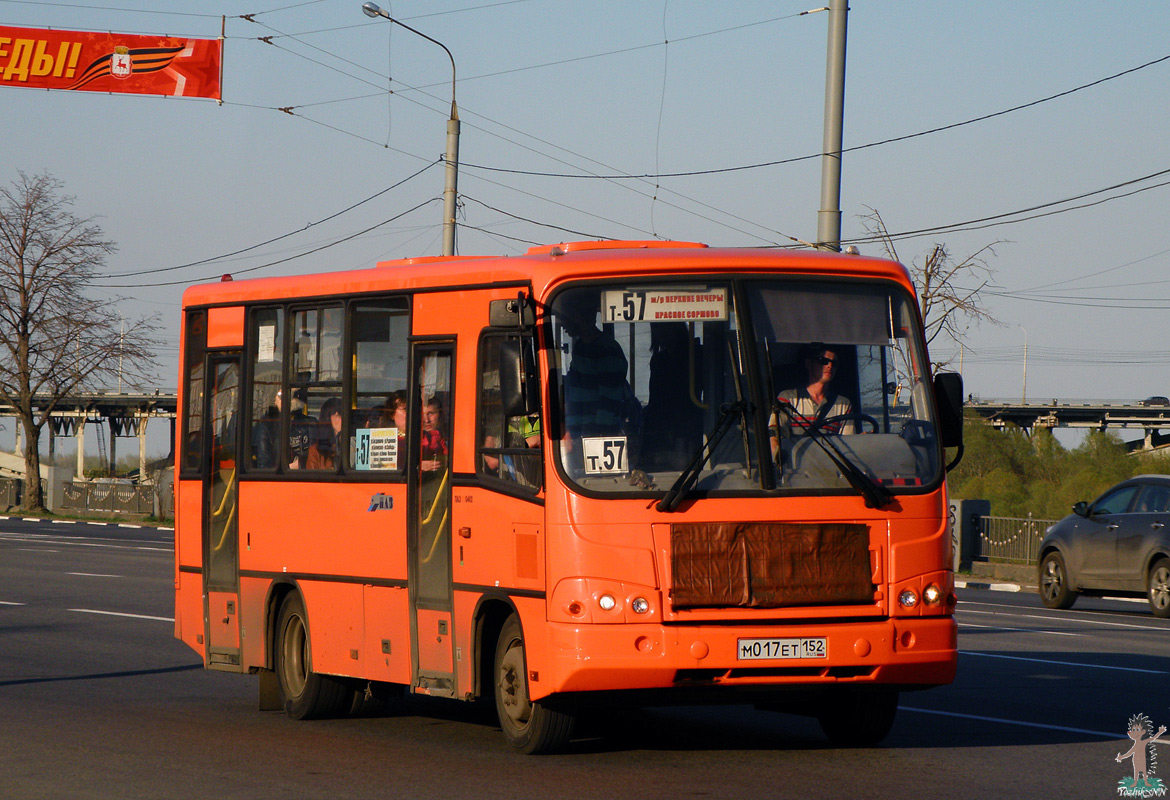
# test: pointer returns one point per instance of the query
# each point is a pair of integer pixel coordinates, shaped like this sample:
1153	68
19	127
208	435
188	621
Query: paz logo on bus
380	502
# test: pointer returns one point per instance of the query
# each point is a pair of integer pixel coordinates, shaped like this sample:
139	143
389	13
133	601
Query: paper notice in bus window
665	305
266	343
376	448
605	455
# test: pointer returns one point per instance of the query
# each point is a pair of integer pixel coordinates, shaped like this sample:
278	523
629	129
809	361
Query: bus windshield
741	387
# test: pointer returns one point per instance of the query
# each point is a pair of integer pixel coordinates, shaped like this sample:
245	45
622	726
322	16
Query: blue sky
554	94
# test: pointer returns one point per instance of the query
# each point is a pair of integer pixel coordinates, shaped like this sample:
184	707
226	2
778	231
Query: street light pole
829	216
1024	399
451	178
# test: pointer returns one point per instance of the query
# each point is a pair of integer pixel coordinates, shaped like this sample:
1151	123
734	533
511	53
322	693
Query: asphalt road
97	700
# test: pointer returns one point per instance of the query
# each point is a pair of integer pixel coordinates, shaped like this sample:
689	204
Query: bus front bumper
905	653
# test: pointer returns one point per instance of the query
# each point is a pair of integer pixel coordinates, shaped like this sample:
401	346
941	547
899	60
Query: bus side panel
188	557
333	539
254	622
336	630
386	653
499	544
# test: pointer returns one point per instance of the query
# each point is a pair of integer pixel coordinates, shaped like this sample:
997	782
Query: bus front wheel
858	718
529	727
306	694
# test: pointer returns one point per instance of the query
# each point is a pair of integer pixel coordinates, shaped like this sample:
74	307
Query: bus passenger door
221	578
429	509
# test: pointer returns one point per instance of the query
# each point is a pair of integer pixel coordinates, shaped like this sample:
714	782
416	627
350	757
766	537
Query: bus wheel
306	694
529	727
858	718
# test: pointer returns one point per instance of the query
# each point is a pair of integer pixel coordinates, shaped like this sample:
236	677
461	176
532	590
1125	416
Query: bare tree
948	308
54	339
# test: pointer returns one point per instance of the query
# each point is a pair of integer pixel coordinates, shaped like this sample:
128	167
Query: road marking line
64	522
92	575
981	718
1020	630
120	614
1071	617
1064	663
9	603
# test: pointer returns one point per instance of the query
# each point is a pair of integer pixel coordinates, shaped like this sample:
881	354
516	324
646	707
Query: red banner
110	62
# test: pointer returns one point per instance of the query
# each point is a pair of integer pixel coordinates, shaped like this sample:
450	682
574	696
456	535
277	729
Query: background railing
1011	540
117	498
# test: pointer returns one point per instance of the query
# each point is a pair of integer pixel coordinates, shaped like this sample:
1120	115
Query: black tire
306	694
1054	588
858	718
529	727
1158	588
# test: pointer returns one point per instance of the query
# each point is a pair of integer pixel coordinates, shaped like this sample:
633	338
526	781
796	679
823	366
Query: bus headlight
640	605
606	602
908	598
932	595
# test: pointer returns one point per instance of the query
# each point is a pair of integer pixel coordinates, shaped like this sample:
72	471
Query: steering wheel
863	419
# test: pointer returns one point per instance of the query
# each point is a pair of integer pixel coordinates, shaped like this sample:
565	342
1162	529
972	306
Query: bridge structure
116	414
1099	415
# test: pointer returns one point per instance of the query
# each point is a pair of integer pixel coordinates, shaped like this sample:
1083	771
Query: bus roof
543	267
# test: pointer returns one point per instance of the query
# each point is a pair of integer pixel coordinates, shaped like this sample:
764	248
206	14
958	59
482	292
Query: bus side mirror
519	387
516	313
948	393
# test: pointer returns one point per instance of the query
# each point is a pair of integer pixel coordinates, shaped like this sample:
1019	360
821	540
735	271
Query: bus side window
509	439
265	354
380	356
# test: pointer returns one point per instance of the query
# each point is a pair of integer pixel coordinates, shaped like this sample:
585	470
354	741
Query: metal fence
1011	540
111	497
9	492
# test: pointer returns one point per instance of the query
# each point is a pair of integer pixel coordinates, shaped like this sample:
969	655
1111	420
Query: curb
995	587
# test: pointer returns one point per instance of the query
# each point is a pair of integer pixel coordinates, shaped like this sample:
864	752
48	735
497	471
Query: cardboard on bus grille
769	564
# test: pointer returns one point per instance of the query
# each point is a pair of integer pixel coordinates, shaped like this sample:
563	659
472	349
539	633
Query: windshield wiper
694	467
876	495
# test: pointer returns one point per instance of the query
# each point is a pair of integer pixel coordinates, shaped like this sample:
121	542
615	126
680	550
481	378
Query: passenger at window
433	456
301	430
323	452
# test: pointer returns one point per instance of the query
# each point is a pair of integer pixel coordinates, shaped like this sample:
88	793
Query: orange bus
626	472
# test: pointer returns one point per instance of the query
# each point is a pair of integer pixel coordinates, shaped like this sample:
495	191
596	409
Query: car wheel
1158	588
1054	588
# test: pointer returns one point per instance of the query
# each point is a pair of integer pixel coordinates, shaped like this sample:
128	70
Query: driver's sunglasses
824	362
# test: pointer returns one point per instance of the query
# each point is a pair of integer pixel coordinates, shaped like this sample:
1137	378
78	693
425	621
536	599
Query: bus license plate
805	647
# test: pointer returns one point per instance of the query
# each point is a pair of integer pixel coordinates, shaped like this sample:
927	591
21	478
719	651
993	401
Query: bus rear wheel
858	718
306	694
529	727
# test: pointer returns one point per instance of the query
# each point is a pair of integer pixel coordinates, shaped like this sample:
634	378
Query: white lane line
119	614
1049	661
1003	721
93	575
9	603
64	521
1049	618
1018	630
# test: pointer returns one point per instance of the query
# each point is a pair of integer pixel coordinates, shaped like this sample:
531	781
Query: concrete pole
452	179
829	216
80	449
142	476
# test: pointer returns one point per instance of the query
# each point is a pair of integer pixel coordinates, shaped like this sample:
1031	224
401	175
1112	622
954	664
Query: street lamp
1024	399
452	156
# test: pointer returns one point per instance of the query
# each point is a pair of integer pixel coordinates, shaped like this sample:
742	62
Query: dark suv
1117	545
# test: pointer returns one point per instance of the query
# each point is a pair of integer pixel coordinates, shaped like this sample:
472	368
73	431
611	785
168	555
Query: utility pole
829	216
